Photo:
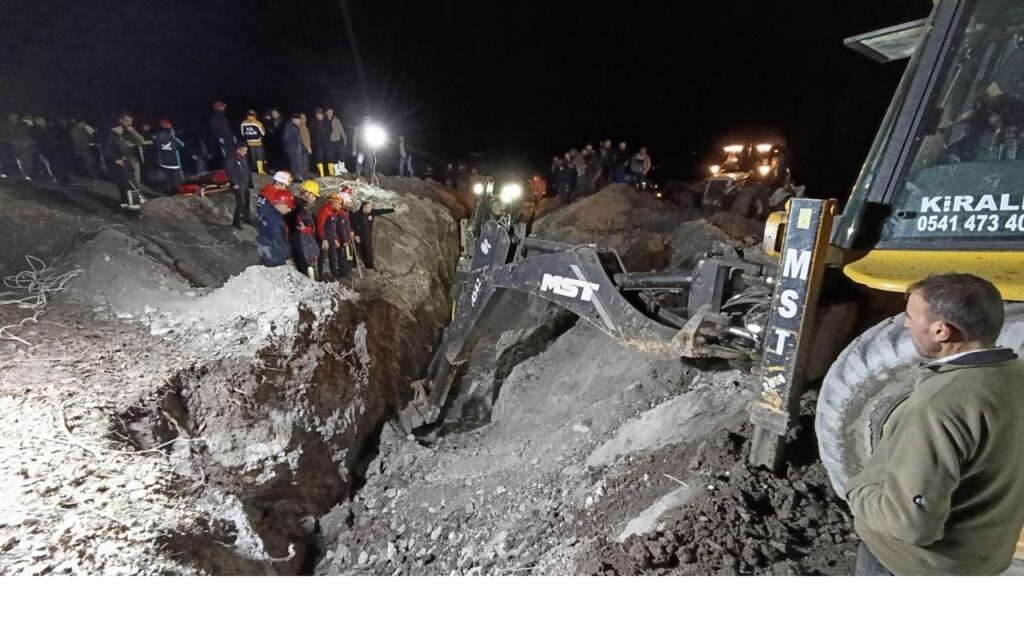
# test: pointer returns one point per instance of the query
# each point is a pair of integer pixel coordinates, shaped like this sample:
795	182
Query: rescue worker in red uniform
333	231
302	230
253	134
273	204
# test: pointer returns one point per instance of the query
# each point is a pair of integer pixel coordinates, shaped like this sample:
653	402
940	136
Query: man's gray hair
969	303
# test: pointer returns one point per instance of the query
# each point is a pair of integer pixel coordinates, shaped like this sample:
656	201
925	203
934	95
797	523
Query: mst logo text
569	287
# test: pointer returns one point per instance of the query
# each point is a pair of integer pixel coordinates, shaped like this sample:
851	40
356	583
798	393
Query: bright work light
375	136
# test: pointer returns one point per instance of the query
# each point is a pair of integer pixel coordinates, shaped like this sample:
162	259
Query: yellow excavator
942	190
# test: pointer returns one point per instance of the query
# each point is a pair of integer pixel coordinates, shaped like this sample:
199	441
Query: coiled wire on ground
30	290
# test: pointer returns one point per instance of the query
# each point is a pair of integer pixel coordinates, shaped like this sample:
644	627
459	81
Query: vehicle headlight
764	170
478	188
715	169
511	193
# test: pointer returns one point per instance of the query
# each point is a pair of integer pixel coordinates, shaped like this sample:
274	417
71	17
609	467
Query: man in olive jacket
943	493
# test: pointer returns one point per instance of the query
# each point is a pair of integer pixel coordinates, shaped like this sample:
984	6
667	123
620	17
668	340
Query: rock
364	558
639	553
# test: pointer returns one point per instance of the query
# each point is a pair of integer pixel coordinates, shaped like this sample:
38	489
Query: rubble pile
746	521
256	392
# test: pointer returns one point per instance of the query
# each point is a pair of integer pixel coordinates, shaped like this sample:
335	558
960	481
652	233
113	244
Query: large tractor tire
870	376
752	201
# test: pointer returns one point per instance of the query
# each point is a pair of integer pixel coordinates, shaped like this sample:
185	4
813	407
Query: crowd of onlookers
159	154
581	172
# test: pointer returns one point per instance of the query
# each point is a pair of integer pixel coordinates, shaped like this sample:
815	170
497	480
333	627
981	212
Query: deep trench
319	375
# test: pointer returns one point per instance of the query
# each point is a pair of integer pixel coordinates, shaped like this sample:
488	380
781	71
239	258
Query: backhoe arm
570	276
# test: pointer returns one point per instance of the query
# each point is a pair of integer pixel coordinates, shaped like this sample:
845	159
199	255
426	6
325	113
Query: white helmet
283	177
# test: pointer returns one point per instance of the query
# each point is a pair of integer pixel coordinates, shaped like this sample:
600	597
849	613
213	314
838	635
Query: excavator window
948	168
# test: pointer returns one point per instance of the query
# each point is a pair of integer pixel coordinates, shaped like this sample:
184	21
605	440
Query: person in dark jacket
333	231
621	163
116	157
564	177
240	178
640	166
254	135
272	130
607	155
168	150
8	160
222	139
134	144
21	146
294	150
275	201
195	153
587	183
81	145
43	146
320	137
362	226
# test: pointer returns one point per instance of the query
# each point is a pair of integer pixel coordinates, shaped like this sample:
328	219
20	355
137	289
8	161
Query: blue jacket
270	234
168	149
292	139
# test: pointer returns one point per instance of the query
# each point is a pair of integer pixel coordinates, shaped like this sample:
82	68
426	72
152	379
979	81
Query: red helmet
220	105
166	124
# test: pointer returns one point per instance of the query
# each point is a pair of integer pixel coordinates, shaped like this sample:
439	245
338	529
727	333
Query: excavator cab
943	186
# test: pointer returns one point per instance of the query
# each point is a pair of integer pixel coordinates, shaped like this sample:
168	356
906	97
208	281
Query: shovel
355	254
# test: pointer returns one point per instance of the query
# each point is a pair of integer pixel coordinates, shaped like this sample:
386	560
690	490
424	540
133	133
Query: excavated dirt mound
745	521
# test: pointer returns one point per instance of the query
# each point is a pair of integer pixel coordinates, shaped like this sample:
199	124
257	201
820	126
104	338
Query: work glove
323	245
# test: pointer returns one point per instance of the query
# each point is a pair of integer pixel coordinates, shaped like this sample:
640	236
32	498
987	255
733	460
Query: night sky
496	82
